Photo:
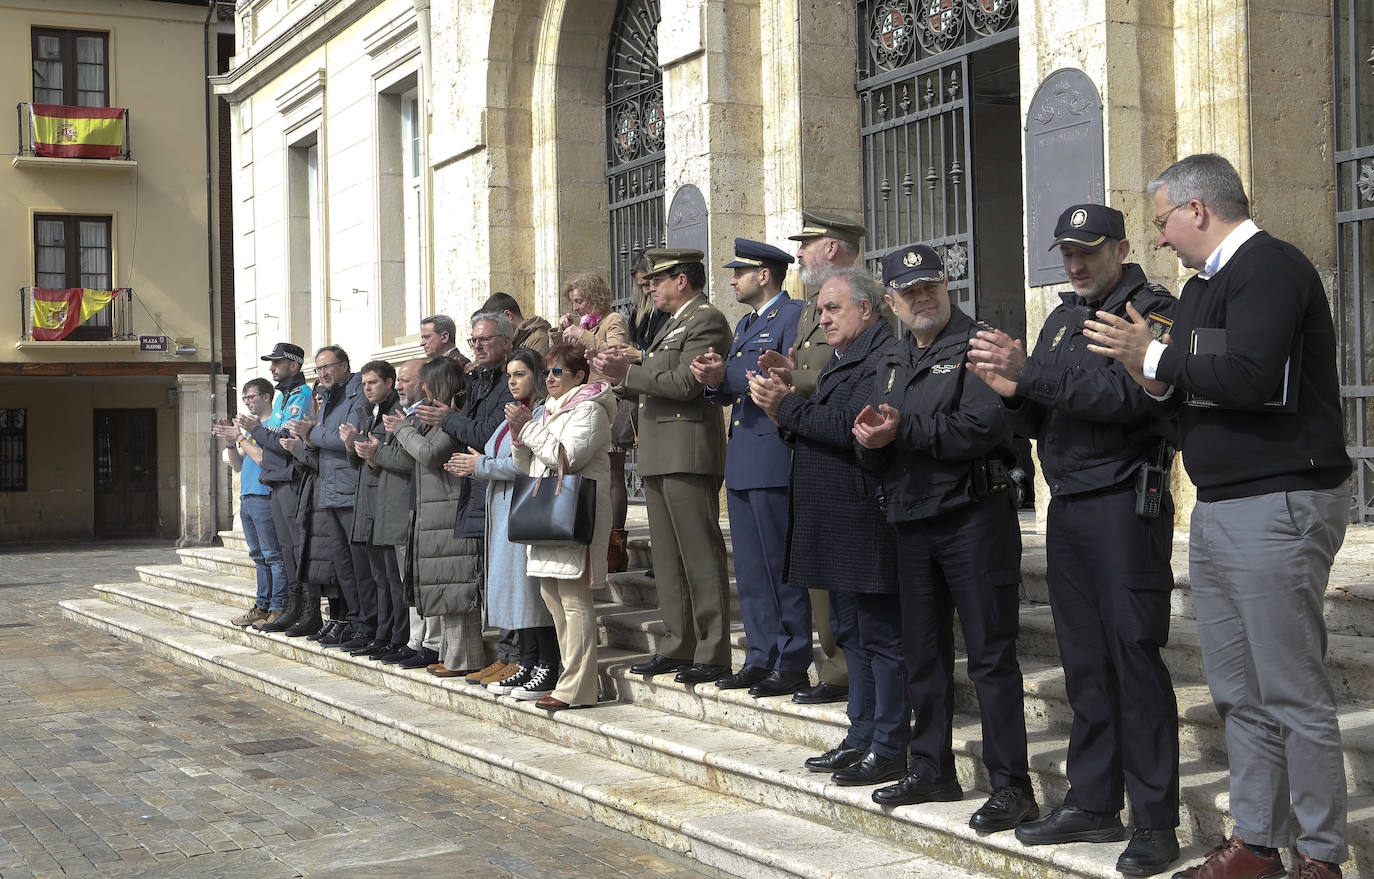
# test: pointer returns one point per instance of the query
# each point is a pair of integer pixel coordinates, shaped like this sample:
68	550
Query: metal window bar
1353	77
28	147
121	314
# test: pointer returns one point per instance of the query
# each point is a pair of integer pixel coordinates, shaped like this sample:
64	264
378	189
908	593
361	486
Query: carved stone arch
569	145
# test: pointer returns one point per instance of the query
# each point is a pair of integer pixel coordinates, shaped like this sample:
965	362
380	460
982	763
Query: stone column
199	460
709	50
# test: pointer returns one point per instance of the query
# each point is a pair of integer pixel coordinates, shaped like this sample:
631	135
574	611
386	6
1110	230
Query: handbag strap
562	466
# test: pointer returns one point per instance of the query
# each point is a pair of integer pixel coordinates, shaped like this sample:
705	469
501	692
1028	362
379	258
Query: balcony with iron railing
55	135
111	325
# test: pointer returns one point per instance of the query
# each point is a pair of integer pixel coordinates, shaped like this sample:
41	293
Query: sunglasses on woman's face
555	371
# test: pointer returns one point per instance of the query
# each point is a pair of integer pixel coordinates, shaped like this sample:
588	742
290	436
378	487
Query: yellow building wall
61	458
158	208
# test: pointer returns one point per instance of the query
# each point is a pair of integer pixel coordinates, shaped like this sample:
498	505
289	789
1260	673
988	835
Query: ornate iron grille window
14	450
1354	317
916	126
634	140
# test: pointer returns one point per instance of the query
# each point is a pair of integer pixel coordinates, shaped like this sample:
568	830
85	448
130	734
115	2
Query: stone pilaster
198	460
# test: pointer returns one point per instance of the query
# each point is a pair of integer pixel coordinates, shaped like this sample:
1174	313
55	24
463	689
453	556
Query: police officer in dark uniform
941	441
777	618
1105	447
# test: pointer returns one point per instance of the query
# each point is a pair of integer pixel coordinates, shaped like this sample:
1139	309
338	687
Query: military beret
913	264
819	225
755	254
1089	226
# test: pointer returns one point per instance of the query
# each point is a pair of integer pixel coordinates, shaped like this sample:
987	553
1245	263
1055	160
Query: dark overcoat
837	537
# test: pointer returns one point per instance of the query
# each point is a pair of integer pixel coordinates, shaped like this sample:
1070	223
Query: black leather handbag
553	509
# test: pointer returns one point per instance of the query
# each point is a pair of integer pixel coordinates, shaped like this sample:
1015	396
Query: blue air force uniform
777	619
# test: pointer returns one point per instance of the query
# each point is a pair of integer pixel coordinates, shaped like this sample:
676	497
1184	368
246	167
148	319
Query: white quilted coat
581	422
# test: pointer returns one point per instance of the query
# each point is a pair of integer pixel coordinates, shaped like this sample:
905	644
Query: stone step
1349	601
1204	786
619	740
719	830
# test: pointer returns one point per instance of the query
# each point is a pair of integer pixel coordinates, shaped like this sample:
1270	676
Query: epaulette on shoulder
984	325
703	306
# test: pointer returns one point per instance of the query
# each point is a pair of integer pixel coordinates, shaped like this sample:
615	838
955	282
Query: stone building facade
553	136
100	437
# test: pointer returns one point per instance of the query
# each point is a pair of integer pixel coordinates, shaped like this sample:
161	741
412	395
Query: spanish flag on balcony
57	312
77	132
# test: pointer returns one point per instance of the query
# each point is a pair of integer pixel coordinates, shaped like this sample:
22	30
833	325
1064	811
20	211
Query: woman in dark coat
838	538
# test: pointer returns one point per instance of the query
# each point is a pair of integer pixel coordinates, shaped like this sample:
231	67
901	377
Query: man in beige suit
682	462
827	243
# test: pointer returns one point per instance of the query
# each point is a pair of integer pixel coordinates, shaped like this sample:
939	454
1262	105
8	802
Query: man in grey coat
378	381
340	393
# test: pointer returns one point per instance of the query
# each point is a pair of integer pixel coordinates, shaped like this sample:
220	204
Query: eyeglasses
319	366
250	397
555	371
480	340
1163	219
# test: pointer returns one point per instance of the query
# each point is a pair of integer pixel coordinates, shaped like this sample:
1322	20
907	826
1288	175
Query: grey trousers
1259	567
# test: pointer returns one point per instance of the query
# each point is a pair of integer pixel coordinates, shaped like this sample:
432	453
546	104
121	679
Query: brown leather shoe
477	676
435	666
442	672
254	614
617	551
552	704
1232	860
272	617
1311	868
505	670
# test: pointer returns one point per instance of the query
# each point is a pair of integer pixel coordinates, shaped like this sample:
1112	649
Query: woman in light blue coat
513	599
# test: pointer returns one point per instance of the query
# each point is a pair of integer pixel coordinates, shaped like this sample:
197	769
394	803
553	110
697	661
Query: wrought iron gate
635	175
634	140
915	93
1354	295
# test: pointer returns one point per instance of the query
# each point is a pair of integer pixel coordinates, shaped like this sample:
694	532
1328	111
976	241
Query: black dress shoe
745	677
659	665
702	673
329	628
872	769
1148	852
649	573
836	758
342	634
369	648
421	659
355	643
399	656
915	789
821	693
1008	807
1071	824
779	683
388	650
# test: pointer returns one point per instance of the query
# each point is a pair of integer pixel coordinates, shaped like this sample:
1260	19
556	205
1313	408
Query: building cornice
316	28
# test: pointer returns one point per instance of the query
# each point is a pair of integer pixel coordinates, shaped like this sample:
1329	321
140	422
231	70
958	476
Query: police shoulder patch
1158	324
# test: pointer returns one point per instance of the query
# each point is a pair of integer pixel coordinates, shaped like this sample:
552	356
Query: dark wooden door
125	473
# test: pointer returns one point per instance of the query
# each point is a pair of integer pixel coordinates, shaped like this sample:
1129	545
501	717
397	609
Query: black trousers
968	561
393	616
1109	579
285	498
867	628
354	571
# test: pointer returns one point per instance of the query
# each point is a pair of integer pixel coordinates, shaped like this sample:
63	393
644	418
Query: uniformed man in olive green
826	244
682	463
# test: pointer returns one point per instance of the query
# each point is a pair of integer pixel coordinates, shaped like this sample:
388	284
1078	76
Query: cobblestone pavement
116	763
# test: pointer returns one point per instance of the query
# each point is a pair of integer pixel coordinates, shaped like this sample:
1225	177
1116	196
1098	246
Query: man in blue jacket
278	473
777	618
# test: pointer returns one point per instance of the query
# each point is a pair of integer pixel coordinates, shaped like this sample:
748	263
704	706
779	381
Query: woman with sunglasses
575	427
594	326
513	600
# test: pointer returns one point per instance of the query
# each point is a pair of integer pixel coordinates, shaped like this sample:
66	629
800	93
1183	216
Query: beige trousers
574	621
